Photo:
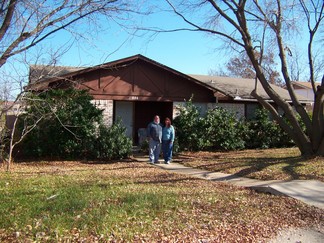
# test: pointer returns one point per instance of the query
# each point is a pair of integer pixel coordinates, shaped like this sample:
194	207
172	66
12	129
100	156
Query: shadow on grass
258	166
261	164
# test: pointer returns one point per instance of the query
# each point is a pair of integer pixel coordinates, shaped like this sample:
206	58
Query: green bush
263	132
222	130
112	142
70	129
188	127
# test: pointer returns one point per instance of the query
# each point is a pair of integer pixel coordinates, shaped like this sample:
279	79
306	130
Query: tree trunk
302	144
318	120
12	144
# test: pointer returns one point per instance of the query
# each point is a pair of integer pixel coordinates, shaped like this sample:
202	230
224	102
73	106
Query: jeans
167	146
154	150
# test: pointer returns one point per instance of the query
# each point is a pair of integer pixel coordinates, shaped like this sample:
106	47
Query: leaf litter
201	211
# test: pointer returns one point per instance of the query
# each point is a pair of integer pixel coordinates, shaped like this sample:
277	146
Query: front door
124	111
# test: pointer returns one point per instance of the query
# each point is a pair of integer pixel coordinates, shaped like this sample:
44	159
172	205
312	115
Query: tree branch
8	18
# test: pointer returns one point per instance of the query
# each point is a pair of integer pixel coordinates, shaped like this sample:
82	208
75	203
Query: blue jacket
154	131
168	133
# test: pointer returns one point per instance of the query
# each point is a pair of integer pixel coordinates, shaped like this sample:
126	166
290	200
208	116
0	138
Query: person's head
157	119
167	122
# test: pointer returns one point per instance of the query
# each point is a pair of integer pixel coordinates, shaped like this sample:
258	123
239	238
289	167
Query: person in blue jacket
168	135
154	134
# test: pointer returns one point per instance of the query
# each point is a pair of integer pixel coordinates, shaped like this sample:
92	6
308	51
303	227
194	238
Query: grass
84	203
136	202
265	164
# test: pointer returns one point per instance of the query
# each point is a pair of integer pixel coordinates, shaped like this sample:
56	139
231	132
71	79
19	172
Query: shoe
168	162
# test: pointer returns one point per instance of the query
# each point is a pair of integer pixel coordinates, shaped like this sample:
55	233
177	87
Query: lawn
130	201
263	164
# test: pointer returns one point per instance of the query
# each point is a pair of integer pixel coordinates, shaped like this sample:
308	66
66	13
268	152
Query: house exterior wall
237	108
142	81
203	108
308	93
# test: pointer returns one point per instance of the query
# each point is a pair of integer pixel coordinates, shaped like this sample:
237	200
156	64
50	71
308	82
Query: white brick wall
108	107
176	110
237	109
203	107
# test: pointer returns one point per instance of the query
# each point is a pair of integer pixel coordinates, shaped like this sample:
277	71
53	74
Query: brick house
136	88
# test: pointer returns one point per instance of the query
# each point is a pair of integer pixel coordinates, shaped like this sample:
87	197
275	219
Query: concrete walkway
307	191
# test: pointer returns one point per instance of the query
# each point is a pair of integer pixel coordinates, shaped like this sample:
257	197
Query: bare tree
255	27
24	24
28	27
15	139
241	66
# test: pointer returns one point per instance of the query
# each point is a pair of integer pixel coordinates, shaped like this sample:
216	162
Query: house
136	88
305	89
238	92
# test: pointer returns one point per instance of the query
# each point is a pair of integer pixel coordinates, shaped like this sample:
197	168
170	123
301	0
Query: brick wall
108	107
237	109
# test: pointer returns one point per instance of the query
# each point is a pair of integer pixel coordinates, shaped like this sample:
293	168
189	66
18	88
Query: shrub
188	127
70	128
222	130
112	142
263	132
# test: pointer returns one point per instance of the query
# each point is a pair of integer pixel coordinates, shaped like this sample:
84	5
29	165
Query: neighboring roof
40	73
304	85
241	88
6	105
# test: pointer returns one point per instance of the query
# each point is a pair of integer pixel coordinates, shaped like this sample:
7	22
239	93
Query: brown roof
241	88
236	88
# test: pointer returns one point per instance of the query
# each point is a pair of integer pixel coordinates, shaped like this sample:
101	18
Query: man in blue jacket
154	134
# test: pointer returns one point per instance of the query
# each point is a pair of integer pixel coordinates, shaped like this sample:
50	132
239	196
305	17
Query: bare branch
200	28
33	27
8	18
318	17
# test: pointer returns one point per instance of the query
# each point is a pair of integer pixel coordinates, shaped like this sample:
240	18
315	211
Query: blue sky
186	51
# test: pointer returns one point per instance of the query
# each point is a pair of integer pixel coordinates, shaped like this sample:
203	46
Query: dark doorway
145	112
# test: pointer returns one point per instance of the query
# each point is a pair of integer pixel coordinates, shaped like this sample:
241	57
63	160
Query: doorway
145	112
138	114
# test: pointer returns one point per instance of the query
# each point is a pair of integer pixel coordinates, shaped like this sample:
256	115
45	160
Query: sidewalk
307	191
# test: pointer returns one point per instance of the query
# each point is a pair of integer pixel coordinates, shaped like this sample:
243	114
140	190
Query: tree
26	127
241	66
255	27
25	24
